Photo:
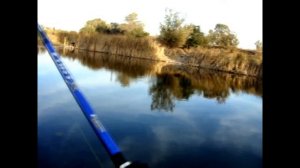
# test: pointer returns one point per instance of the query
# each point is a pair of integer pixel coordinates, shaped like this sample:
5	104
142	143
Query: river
164	115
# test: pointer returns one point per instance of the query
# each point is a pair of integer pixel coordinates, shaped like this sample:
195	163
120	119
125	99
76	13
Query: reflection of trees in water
183	87
127	68
214	84
171	82
123	79
162	98
181	83
167	87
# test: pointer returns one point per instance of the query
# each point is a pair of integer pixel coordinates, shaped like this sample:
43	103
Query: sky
244	17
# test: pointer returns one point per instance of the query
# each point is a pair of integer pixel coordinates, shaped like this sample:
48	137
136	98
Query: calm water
166	116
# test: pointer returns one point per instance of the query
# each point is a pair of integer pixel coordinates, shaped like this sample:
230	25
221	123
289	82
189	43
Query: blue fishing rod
111	147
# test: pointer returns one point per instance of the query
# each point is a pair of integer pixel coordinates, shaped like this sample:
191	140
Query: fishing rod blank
109	144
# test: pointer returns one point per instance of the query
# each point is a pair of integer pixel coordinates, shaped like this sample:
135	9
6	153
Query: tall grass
223	59
57	36
144	47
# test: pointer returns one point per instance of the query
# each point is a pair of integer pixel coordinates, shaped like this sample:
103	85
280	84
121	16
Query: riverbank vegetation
177	42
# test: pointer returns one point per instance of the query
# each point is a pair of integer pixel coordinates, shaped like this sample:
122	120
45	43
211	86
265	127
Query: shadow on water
169	82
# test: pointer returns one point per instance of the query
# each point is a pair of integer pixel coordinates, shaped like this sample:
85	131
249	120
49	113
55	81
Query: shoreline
223	59
170	61
166	60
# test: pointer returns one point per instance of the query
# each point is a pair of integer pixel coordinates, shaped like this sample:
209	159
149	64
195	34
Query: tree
115	29
133	26
196	38
172	33
258	45
95	25
222	36
132	18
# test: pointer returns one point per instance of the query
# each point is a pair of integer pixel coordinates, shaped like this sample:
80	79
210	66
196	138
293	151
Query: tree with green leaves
115	29
222	36
132	18
196	38
172	32
95	25
133	26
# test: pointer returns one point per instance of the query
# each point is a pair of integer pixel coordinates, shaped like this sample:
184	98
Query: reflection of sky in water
198	133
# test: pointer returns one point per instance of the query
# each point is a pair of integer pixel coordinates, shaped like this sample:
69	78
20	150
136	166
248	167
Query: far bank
227	59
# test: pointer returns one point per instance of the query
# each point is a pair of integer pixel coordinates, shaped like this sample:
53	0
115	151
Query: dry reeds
144	47
223	59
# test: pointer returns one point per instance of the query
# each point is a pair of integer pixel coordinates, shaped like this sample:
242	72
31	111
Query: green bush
172	33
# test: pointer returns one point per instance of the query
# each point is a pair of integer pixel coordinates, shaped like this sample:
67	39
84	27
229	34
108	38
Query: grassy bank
223	59
57	37
231	60
144	47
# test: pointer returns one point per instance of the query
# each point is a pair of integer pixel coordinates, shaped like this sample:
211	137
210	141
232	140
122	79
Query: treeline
132	27
177	43
173	32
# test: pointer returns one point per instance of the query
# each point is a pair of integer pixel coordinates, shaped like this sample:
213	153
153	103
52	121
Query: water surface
166	116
